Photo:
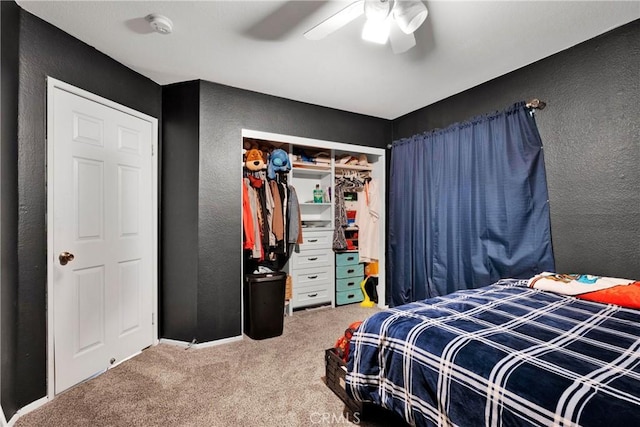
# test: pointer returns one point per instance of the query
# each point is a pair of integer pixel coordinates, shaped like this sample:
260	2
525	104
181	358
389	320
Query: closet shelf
353	167
301	166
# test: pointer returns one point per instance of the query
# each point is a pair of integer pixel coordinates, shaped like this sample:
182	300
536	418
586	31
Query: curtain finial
536	104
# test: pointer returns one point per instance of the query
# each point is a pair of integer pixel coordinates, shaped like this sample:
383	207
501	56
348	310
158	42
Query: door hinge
153	318
153	150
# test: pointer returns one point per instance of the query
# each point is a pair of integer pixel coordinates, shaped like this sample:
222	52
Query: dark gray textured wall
591	137
10	15
224	112
178	293
47	51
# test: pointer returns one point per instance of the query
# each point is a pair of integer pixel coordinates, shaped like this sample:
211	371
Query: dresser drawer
347	271
347	258
311	276
312	258
349	284
316	240
311	295
349	297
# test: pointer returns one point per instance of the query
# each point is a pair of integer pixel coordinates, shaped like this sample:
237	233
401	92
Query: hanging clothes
257	182
367	216
342	185
272	223
277	221
284	198
256	251
340	219
247	219
295	220
270	206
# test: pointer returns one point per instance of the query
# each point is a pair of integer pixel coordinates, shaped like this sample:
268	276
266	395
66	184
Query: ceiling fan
393	20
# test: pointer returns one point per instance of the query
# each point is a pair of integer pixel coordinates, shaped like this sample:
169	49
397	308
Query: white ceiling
259	45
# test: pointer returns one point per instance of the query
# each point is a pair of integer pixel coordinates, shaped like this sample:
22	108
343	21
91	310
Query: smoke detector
160	23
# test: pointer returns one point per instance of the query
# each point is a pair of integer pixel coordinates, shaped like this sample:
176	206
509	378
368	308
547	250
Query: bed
503	355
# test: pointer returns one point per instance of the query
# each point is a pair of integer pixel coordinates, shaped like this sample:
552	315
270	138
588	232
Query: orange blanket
623	295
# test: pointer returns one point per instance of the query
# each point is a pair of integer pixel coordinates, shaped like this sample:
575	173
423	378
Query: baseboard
3	420
200	345
25	410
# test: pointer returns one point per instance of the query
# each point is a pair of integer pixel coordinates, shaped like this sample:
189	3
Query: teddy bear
254	160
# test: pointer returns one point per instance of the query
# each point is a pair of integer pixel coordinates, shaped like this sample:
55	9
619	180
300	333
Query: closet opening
314	210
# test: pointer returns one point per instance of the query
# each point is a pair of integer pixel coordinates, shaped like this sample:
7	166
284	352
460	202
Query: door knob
65	257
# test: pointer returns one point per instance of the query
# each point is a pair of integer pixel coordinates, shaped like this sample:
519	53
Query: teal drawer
349	283
347	271
347	258
349	297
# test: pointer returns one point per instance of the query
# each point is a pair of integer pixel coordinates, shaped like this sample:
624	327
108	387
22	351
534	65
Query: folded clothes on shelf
309	156
348	159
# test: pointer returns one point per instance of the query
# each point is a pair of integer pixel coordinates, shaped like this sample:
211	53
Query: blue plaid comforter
502	355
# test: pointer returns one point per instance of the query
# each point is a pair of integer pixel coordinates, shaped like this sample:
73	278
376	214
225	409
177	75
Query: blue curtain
468	205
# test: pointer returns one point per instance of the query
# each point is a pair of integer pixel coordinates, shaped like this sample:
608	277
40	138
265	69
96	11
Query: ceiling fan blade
336	21
400	42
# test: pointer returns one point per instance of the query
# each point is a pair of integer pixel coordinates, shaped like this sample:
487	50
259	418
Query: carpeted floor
272	382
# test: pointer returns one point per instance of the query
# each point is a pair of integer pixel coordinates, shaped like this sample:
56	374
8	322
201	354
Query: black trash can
264	304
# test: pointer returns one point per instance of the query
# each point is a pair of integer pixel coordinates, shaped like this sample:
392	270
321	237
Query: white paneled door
102	235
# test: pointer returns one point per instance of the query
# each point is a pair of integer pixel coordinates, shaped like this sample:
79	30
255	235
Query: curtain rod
534	104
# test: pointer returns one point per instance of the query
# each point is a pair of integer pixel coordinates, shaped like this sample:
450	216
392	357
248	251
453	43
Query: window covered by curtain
468	205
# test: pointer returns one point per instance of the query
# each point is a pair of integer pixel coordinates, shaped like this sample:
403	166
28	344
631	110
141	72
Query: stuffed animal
255	160
342	345
278	162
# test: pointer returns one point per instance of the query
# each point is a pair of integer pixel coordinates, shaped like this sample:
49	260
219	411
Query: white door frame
51	85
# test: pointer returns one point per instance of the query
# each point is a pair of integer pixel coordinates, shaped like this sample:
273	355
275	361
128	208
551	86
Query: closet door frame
335	147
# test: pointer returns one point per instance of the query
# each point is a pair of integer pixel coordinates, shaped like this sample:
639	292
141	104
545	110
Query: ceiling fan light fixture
378	10
410	14
376	31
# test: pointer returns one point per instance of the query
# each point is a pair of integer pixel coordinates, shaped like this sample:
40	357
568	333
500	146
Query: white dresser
312	268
